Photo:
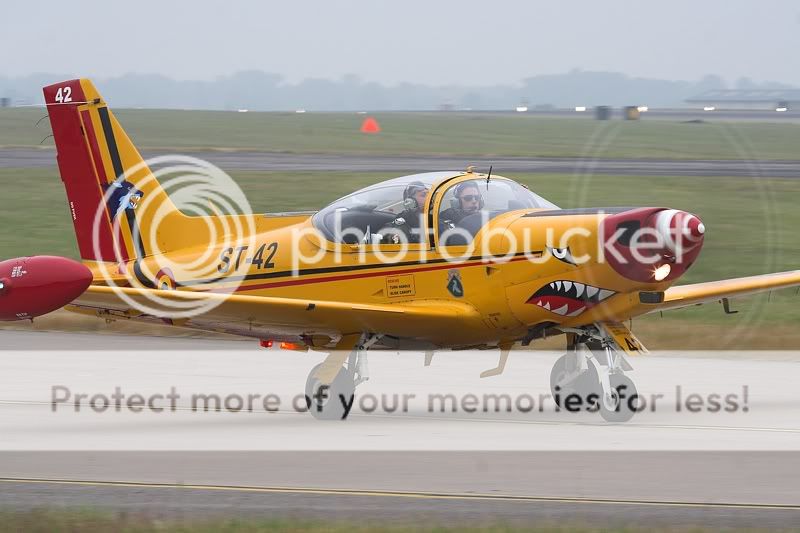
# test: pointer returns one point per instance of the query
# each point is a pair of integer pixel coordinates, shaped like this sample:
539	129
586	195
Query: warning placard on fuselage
398	286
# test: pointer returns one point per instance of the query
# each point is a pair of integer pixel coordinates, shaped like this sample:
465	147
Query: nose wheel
591	377
621	401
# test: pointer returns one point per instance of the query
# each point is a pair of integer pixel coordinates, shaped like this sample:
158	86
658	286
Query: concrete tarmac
396	164
664	468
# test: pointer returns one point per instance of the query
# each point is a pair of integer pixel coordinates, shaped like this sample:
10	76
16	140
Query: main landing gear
331	385
591	376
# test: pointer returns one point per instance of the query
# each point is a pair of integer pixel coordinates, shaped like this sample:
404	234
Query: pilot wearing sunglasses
468	200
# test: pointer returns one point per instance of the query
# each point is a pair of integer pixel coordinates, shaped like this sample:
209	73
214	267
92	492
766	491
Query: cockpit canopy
357	216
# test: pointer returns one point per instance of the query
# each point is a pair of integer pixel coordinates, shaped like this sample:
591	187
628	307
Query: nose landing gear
591	376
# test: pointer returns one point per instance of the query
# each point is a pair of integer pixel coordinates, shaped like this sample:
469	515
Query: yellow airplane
434	261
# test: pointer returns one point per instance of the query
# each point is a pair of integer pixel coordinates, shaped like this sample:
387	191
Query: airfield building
764	100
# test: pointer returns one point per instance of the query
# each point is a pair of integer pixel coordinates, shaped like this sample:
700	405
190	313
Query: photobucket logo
635	237
161	225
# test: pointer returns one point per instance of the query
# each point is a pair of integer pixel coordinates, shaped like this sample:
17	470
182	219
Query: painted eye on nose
562	254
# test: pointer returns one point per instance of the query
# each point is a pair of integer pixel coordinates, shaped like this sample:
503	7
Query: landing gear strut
331	385
591	376
574	383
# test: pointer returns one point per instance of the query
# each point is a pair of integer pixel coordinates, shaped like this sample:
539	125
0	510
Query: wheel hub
611	400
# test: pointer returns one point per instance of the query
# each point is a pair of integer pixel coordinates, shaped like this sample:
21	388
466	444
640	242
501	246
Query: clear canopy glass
355	217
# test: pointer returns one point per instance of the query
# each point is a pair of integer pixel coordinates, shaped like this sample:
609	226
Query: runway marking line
399	494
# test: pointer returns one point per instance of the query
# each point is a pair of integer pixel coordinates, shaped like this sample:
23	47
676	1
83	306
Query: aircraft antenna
488	177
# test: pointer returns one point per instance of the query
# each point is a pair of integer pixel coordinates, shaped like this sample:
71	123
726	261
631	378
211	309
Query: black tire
627	400
330	406
586	386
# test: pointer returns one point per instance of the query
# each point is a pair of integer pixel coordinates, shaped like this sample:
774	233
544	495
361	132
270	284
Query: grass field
93	521
432	133
752	229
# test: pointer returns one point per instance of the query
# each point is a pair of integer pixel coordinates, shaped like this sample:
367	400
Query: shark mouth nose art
569	298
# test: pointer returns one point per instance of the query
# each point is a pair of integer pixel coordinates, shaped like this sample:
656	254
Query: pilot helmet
409	201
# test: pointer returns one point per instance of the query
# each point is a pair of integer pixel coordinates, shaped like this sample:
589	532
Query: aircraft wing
713	291
256	314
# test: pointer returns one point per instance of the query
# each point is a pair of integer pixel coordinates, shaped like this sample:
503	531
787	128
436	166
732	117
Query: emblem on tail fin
123	196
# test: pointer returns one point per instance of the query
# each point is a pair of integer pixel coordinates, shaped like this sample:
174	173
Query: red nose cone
640	241
34	286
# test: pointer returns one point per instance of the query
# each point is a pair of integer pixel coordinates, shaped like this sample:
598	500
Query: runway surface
673	468
243	160
384	508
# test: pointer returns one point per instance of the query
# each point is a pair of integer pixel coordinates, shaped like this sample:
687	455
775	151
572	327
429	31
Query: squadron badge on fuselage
454	284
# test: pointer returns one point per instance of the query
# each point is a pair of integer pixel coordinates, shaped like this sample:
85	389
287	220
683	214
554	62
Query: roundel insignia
165	280
454	284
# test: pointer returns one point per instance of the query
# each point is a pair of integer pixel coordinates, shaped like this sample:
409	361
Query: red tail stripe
102	180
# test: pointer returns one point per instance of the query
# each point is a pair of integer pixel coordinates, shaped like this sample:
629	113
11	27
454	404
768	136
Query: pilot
468	200
409	222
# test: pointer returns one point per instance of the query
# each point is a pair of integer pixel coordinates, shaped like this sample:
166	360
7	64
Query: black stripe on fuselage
346	268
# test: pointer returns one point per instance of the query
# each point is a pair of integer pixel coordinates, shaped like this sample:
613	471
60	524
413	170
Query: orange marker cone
370	125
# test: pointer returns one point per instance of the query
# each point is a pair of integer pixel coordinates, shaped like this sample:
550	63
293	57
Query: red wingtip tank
35	286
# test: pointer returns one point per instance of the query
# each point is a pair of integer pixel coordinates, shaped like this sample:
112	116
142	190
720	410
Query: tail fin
105	177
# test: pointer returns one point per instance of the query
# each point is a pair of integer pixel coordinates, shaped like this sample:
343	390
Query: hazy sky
435	42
